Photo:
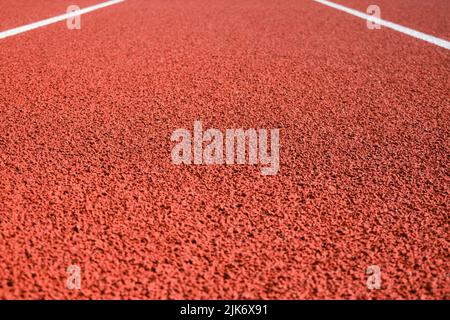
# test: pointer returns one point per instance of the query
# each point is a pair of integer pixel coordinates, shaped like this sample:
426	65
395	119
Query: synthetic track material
72	13
86	175
430	16
19	12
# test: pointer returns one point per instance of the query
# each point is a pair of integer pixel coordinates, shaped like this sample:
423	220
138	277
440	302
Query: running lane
87	179
16	13
431	17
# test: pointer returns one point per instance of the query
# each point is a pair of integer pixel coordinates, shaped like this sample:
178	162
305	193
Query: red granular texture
87	179
16	13
431	17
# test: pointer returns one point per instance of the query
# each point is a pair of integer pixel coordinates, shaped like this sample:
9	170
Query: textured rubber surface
19	12
426	16
87	179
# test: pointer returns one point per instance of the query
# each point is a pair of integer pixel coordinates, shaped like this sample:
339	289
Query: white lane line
410	32
35	25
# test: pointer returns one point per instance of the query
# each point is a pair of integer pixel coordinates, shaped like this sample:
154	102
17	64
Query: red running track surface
87	179
20	12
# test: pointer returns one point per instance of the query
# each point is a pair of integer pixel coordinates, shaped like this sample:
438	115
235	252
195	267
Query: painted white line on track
42	23
410	32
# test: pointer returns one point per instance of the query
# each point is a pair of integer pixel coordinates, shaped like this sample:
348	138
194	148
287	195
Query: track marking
42	23
410	32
